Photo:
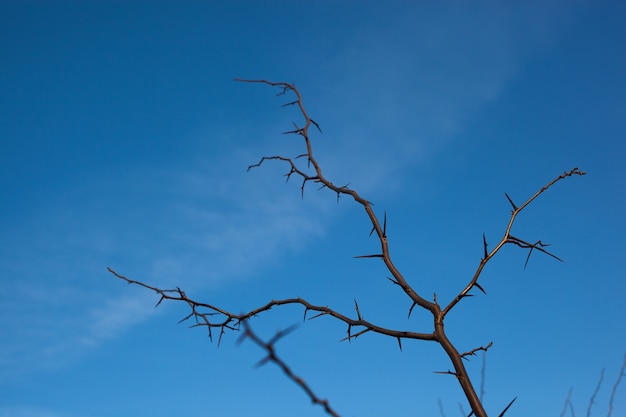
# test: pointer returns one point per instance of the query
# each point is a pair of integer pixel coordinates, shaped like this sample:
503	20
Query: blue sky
125	144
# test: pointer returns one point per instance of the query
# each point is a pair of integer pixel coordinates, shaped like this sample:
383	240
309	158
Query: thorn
393	281
507	407
528	257
302	188
323	313
400	344
186	318
511	201
290	104
354	336
539	245
379	255
262	362
372	231
479	287
448	372
411	309
296	131
485	246
159	302
358	313
385	224
316	125
291	132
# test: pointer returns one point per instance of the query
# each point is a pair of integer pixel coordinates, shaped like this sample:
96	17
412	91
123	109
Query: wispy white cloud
114	316
209	226
46	327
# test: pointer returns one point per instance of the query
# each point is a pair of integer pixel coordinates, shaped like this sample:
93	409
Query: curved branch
203	314
320	178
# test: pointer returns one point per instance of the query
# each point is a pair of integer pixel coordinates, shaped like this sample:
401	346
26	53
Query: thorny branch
273	357
204	314
214	317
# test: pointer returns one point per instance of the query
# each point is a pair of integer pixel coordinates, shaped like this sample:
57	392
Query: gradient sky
125	144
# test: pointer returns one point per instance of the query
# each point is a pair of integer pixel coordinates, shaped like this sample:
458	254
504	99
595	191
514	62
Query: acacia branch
508	238
214	317
273	357
340	190
204	314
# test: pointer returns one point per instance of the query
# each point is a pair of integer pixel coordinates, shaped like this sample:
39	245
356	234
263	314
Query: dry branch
214	317
273	357
614	390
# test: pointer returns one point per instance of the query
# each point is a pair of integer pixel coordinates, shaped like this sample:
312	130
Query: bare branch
319	177
592	400
482	373
441	412
567	402
507	238
273	357
213	317
478	349
614	390
224	319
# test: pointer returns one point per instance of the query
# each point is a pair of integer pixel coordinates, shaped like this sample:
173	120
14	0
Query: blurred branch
592	400
614	390
272	356
567	402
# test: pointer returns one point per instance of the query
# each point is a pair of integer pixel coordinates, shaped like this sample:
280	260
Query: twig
272	356
567	402
614	390
482	376
593	396
441	412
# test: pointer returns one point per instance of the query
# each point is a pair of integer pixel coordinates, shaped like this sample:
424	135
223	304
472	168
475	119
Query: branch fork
213	317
